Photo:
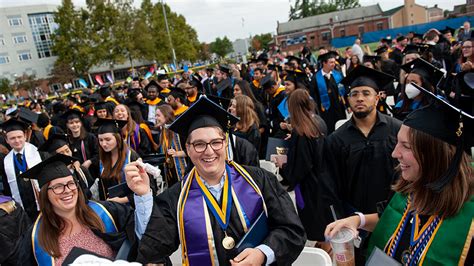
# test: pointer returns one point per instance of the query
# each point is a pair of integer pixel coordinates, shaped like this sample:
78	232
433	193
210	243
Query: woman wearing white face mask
422	74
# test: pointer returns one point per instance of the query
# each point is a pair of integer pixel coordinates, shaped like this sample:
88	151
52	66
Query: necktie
19	157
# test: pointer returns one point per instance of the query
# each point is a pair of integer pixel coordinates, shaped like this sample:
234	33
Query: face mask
411	91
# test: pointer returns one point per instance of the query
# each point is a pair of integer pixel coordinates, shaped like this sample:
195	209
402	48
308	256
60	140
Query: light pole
168	31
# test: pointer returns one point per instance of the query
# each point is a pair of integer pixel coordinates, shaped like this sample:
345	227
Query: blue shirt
144	206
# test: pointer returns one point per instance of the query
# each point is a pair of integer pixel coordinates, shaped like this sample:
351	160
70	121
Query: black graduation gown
88	178
303	167
123	217
276	117
286	237
396	55
360	170
144	147
37	138
258	92
390	67
244	152
337	110
226	87
91	149
24	187
12	227
252	135
105	184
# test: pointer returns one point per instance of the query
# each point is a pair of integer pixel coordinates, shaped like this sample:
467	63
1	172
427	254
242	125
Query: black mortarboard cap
54	142
177	92
372	58
72	114
447	123
27	116
415	48
153	83
426	70
203	113
263	57
448	29
267	82
100	105
109	125
196	82
326	56
274	67
382	49
52	168
162	77
223	102
417	35
14	124
293	58
133	104
365	76
387	40
225	69
401	38
297	77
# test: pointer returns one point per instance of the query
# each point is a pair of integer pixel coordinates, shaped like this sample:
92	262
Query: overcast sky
238	18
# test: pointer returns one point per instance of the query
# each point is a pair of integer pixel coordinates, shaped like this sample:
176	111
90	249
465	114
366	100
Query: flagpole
168	31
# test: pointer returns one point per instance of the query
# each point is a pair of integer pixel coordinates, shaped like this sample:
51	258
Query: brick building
318	30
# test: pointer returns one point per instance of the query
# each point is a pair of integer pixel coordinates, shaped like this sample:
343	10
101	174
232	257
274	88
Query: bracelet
362	219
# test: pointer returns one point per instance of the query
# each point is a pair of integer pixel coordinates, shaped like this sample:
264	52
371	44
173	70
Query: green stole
449	245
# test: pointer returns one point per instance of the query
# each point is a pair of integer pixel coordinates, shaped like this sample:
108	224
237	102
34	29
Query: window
15	22
342	32
326	36
20	39
380	26
4	59
24	56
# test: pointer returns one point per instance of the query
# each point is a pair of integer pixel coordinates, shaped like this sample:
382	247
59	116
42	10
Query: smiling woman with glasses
68	220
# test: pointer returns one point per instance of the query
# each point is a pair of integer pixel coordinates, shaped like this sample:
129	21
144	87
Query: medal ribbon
221	213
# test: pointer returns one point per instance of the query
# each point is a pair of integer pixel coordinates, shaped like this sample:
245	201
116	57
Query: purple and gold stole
194	224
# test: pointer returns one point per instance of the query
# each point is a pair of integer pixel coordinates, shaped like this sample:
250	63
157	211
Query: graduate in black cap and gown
359	166
22	157
275	114
84	145
153	100
207	232
69	221
59	143
225	85
328	92
429	218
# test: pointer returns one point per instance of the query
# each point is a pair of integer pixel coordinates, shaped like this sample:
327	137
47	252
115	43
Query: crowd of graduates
379	141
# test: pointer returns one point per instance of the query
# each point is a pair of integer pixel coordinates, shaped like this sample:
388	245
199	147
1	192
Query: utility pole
168	31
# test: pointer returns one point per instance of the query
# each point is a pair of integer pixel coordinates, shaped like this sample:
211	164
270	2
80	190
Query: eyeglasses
200	146
60	188
354	94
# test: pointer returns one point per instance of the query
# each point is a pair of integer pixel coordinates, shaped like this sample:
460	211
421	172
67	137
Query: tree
5	86
61	73
221	47
260	42
308	8
203	51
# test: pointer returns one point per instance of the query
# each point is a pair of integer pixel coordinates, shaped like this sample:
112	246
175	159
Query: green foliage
221	47
260	42
111	32
308	8
5	86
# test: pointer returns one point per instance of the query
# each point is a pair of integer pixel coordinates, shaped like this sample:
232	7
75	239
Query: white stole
32	158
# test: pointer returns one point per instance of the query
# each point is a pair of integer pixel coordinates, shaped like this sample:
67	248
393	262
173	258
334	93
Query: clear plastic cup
343	248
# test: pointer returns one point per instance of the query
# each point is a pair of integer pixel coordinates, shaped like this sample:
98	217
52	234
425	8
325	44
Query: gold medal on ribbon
228	242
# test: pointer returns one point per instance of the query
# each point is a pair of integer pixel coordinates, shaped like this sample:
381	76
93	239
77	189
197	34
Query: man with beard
177	99
360	167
